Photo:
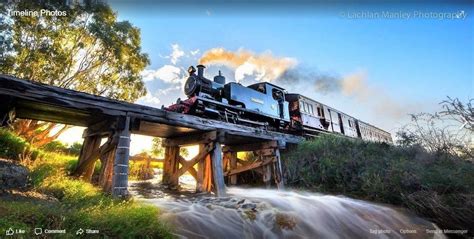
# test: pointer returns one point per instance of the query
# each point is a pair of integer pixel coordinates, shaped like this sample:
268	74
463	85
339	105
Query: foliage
157	149
159	152
437	134
78	205
16	148
58	147
462	113
141	167
448	131
397	175
87	50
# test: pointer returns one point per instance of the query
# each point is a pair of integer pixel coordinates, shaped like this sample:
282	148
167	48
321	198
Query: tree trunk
36	132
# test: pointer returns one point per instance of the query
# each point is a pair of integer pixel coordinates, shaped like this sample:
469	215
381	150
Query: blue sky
413	63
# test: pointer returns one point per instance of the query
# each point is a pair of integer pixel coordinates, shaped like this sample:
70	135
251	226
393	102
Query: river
266	213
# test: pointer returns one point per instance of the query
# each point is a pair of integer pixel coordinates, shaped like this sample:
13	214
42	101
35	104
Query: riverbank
436	186
55	201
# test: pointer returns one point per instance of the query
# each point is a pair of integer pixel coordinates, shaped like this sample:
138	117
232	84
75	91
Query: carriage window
301	106
350	123
311	109
319	111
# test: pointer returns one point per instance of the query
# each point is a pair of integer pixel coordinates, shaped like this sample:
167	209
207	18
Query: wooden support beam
255	146
107	168
267	175
186	165
207	184
170	166
218	170
201	138
265	152
279	179
250	166
7	110
101	128
233	165
200	171
121	161
193	172
88	157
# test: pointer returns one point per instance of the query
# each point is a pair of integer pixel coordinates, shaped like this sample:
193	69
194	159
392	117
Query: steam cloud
355	85
284	71
264	67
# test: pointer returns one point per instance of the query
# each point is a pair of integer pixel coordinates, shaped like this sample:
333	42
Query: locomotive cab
274	93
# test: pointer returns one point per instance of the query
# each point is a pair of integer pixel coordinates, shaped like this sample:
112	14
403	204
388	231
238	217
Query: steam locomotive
270	106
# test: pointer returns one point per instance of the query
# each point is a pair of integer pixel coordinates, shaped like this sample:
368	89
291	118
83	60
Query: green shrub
16	148
140	170
58	147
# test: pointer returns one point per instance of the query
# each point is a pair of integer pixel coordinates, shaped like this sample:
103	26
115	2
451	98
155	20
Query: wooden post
107	169
267	175
279	179
217	170
233	165
207	184
7	111
120	178
170	166
200	172
89	151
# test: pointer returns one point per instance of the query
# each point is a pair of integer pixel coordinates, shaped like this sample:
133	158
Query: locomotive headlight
190	86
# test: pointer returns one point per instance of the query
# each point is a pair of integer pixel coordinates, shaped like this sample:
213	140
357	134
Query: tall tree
88	50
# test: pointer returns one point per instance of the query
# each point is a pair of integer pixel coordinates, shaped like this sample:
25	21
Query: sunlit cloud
263	67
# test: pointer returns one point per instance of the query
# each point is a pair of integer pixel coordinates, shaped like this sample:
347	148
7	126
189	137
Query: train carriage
270	106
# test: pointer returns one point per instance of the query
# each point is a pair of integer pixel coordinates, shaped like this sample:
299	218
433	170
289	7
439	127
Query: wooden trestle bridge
115	120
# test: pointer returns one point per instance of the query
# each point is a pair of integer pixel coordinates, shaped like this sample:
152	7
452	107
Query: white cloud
176	53
166	73
169	90
195	52
150	100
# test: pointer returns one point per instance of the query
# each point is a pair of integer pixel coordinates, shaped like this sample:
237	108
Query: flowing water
262	213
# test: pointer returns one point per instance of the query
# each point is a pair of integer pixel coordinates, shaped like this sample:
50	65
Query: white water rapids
262	213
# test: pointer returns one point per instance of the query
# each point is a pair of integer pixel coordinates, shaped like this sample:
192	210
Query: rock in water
12	175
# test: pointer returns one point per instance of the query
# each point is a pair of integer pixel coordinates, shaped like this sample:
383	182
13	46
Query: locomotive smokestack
219	79
200	70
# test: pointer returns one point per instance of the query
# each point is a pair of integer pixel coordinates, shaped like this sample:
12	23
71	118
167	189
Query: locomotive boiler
269	106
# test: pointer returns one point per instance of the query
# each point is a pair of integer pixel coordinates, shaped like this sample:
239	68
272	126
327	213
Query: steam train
270	106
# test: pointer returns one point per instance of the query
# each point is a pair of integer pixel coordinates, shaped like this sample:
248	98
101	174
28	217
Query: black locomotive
267	105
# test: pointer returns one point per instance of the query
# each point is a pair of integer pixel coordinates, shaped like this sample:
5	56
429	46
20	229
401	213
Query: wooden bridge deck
30	100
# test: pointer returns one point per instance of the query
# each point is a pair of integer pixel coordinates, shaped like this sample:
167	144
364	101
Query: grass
437	186
78	205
